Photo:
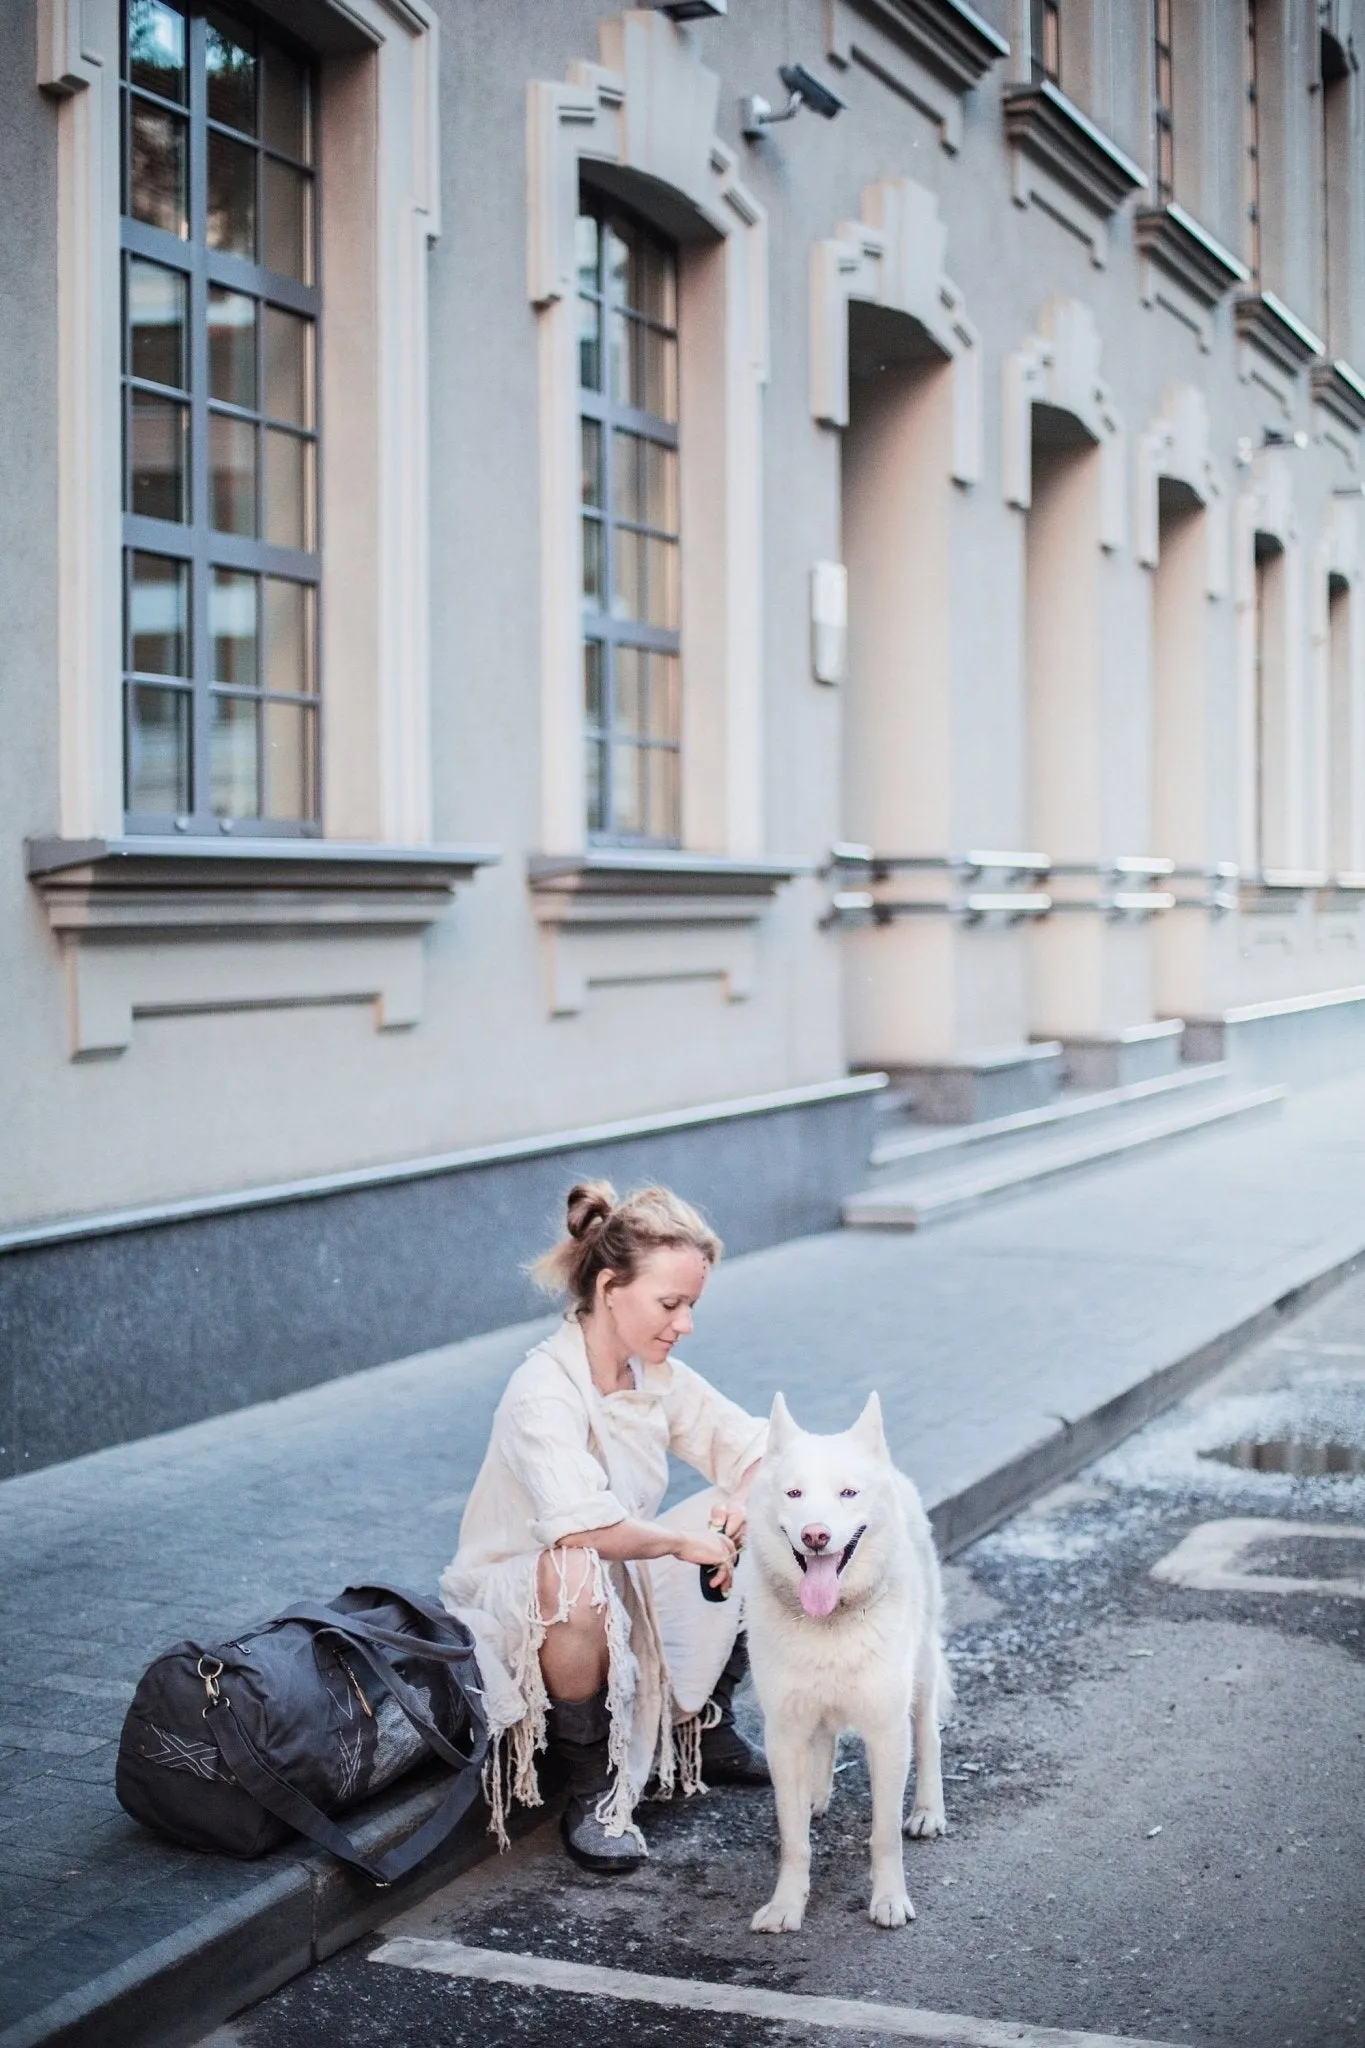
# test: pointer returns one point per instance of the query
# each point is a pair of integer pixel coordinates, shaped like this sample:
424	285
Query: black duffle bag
233	1746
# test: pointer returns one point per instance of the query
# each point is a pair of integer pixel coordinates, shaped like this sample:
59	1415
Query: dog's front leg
790	1761
888	1763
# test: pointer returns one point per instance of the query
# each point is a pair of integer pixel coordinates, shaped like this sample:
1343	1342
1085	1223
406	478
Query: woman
586	1605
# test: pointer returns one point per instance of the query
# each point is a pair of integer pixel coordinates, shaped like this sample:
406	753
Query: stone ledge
1173	240
645	884
947	36
1340	390
1043	123
255	924
931	53
617	916
1268	325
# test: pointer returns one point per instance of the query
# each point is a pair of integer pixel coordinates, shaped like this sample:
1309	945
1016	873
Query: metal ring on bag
210	1678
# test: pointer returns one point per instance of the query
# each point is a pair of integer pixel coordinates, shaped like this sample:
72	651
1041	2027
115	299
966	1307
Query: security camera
804	89
805	86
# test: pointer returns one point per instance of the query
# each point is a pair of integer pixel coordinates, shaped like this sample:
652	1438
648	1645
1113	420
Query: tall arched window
220	314
1335	195
628	376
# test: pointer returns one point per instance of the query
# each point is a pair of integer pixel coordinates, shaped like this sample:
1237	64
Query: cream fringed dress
564	1458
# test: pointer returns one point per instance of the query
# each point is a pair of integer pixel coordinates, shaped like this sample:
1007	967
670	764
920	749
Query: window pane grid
220	426
628	375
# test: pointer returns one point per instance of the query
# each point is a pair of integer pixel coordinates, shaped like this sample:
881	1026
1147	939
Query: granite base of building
1141	1053
991	1081
1301	1040
118	1327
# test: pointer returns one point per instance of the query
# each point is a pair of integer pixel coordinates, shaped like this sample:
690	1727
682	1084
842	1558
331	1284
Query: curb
962	1517
174	1991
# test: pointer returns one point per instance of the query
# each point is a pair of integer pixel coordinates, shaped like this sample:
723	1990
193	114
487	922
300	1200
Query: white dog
843	1605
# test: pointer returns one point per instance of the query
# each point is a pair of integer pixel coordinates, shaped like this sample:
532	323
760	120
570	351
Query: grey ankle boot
579	1733
727	1758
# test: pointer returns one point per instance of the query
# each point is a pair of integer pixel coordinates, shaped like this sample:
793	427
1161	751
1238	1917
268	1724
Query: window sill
1043	123
651	885
1340	390
1267	323
1173	239
947	36
260	884
255	924
621	916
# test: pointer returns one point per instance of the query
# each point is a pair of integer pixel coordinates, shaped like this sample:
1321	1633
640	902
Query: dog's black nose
814	1537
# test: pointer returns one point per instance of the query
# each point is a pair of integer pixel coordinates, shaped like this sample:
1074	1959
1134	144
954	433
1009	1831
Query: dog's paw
890	1909
783	1914
926	1822
819	1806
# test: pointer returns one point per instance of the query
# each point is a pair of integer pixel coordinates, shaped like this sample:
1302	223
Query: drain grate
1300	1456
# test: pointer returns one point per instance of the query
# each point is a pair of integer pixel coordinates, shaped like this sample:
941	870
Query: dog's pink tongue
820	1586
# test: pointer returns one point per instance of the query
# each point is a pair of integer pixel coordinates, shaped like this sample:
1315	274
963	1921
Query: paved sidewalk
1008	1346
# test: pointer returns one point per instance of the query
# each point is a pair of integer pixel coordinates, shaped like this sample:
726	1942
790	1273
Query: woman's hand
714	1548
732	1515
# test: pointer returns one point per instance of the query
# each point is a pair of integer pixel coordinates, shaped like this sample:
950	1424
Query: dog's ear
868	1428
781	1428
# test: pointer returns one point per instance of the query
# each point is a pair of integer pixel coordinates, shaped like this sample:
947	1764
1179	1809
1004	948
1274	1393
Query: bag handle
320	1615
370	1642
410	1704
297	1811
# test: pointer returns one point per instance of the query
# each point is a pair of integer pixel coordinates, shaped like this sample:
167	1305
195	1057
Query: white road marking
854	2015
1207	1558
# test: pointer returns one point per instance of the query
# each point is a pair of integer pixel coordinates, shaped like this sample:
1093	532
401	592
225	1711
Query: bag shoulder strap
297	1811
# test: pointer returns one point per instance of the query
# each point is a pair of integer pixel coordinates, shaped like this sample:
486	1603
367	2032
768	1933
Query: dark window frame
1163	100
1045	41
194	541
607	635
1251	141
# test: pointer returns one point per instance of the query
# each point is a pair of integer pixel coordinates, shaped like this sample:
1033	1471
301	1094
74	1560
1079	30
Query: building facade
554	621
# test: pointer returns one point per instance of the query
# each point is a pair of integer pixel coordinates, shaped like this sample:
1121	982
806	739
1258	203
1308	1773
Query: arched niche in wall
893	259
1336	612
1059	367
1271	735
1175	446
641	123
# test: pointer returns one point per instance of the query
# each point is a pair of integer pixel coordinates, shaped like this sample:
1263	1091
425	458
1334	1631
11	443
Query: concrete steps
923	1175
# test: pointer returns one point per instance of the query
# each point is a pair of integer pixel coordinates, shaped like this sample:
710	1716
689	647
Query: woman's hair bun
588	1206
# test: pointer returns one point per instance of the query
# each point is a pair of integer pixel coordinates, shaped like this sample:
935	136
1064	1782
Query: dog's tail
945	1695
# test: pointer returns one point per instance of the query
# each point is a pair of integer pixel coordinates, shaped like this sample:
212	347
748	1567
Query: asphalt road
1156	1793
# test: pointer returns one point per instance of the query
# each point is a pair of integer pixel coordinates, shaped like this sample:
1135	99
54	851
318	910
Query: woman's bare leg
574	1657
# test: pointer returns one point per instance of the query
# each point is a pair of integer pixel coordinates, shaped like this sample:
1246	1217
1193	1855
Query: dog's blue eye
848	1493
793	1493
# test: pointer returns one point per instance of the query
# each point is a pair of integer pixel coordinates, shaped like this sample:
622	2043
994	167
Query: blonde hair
610	1236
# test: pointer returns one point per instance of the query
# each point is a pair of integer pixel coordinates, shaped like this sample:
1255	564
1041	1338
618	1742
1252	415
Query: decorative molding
1175	251
1176	445
1340	390
153	928
1078	163
894	258
617	916
646	116
1060	366
929	52
1265	323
